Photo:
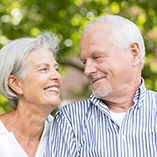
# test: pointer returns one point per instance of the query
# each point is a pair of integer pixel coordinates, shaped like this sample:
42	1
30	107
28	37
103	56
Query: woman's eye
43	69
57	69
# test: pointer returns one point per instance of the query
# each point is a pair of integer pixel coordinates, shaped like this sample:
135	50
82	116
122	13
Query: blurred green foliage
67	18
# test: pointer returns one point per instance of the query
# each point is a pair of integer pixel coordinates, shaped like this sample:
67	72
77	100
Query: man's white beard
101	92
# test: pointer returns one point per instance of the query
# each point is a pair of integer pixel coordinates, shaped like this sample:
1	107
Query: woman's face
42	81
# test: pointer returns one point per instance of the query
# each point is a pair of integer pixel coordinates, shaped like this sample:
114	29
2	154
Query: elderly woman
29	79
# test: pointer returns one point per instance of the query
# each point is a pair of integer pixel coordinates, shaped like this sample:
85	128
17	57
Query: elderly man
119	119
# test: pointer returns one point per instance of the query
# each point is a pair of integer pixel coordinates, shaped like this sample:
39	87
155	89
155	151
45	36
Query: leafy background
67	18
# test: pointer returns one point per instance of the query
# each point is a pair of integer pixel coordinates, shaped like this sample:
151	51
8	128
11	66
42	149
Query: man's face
106	65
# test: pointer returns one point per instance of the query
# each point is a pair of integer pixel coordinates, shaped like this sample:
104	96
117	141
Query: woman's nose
55	75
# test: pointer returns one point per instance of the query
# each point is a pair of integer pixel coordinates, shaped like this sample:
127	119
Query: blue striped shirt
86	129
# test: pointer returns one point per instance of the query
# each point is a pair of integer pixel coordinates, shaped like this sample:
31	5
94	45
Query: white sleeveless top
9	146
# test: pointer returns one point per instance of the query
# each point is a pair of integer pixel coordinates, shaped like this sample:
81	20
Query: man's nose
89	68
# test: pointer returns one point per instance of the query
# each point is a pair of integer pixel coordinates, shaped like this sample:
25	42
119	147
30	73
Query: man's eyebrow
81	58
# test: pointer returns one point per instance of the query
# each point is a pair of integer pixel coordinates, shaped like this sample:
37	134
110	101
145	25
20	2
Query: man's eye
96	57
83	62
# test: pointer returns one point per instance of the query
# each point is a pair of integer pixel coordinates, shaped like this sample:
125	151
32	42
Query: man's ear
14	84
136	54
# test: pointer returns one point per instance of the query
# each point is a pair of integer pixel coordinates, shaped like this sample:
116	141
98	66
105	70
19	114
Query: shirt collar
140	94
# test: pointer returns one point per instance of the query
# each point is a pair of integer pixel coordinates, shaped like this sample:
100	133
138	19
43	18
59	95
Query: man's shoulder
77	106
151	98
75	111
151	94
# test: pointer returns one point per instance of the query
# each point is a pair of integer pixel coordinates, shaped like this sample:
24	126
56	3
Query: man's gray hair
123	32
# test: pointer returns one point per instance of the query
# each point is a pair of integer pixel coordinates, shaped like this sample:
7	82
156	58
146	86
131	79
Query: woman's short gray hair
123	32
13	60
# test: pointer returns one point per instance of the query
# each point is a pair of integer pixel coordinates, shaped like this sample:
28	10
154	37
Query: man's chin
102	93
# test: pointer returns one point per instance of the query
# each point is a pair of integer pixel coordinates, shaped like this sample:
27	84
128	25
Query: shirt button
123	137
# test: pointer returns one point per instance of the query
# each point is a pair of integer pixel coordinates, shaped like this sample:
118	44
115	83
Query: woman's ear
14	84
136	54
